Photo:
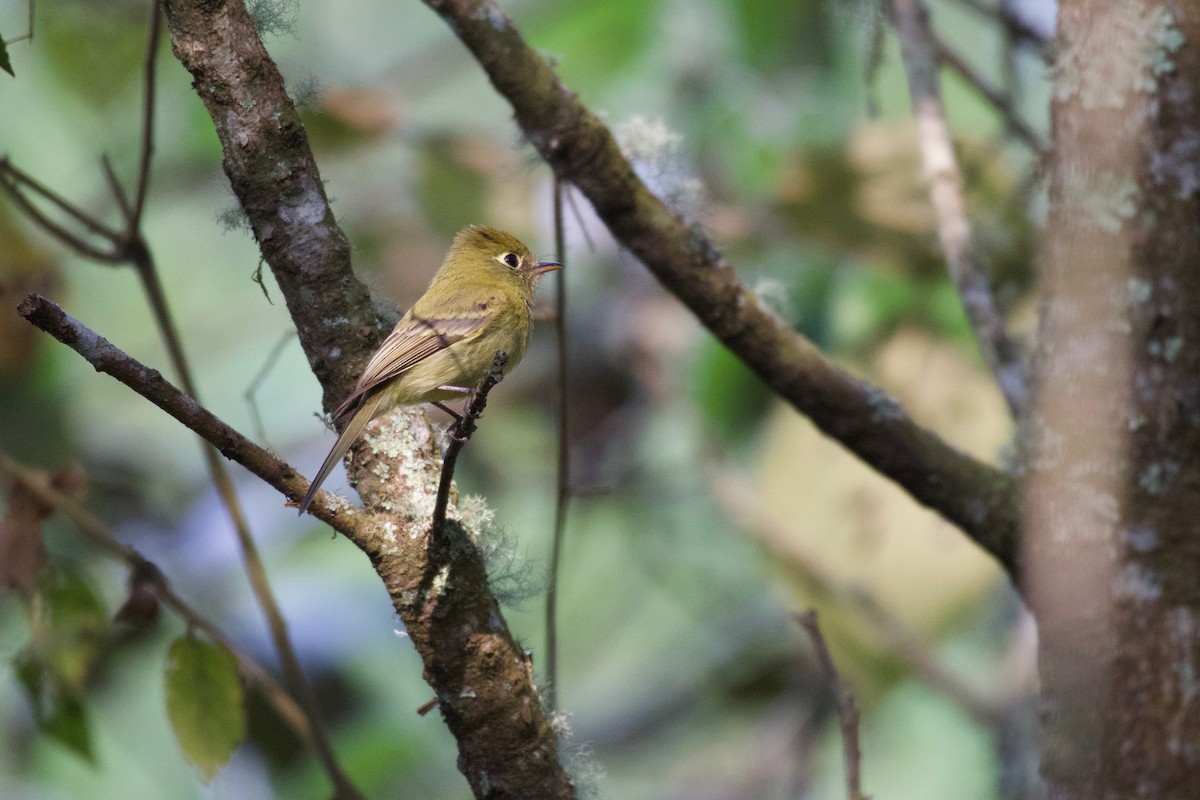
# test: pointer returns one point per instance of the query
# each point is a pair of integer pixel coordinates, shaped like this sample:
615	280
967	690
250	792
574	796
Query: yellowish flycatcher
480	301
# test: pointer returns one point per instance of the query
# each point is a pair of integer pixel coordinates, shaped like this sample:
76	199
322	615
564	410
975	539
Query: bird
479	302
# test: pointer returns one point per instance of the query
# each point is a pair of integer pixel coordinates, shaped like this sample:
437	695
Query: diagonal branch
583	152
998	100
919	52
147	382
847	708
482	678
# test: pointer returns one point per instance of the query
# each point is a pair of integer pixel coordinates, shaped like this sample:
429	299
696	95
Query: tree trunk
1111	552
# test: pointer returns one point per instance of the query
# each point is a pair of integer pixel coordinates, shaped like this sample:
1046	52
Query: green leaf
58	711
204	702
5	64
70	628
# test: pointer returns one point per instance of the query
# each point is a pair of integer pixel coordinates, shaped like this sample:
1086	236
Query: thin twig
93	530
997	99
149	383
562	492
146	152
1018	29
249	395
15	183
946	193
114	186
734	496
847	709
460	434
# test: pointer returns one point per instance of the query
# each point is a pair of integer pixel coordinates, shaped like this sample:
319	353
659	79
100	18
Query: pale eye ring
511	260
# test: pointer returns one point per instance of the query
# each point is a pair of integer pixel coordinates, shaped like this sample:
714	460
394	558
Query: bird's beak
545	266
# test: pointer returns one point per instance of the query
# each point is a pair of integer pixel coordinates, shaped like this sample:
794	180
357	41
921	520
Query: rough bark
482	678
1112	547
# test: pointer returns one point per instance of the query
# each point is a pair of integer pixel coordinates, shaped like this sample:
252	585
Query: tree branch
483	682
147	382
459	436
918	50
847	709
998	100
582	151
483	679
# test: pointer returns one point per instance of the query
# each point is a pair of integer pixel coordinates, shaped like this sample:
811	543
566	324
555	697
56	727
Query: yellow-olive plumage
480	301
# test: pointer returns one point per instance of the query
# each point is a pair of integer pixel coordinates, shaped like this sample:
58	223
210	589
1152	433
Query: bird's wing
416	338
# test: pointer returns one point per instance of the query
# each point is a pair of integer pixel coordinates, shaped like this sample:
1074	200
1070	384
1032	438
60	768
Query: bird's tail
352	431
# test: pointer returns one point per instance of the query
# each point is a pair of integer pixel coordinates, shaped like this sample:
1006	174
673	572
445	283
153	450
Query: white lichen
774	298
1139	290
1107	55
441	582
1138	583
884	407
1099	200
1156	478
655	153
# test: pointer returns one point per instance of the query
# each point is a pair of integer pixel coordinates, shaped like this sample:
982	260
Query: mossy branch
979	499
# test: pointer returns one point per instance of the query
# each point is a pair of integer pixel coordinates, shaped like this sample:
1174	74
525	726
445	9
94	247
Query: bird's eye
511	259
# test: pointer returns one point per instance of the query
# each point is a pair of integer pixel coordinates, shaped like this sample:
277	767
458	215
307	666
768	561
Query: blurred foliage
68	627
706	511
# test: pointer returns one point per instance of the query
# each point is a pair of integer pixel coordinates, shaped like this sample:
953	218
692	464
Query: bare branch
847	709
147	382
945	191
997	99
583	152
146	152
16	183
562	483
459	436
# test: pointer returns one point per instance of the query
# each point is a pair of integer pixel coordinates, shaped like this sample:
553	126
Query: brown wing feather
414	340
